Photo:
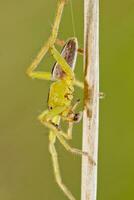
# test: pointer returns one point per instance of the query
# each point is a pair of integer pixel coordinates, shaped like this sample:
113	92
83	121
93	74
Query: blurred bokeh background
25	164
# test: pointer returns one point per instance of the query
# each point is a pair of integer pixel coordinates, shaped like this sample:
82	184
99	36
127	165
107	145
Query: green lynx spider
60	95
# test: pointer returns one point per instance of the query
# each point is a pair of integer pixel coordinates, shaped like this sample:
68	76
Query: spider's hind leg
50	118
57	171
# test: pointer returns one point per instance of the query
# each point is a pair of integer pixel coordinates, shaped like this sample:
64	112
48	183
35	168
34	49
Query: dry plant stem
91	98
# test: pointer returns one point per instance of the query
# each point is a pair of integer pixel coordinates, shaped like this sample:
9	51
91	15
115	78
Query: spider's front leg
80	51
71	117
51	41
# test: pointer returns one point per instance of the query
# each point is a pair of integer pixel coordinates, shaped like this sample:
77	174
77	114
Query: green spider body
61	91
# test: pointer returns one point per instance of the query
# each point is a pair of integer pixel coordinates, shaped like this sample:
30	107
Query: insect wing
69	53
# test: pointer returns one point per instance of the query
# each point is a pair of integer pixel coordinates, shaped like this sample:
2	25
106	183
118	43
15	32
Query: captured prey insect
60	95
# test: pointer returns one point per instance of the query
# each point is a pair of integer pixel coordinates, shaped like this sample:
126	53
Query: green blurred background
25	164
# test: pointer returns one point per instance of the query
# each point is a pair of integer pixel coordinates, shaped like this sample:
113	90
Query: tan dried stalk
91	98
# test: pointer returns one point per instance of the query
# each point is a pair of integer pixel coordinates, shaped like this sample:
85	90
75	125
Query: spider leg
68	136
49	45
45	120
48	115
79	84
65	67
62	62
53	115
69	131
72	149
58	58
31	70
57	171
